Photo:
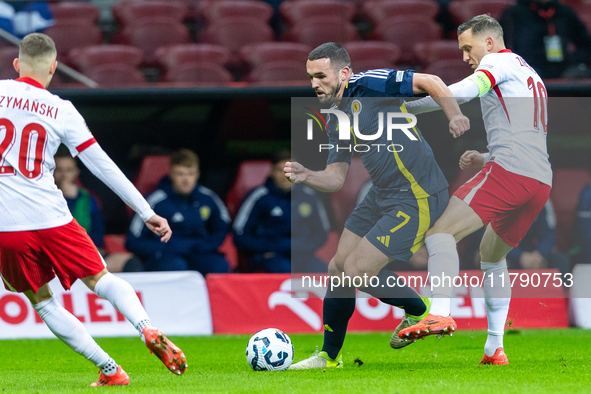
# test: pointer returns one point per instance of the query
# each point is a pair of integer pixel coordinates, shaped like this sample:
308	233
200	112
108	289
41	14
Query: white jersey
515	116
33	123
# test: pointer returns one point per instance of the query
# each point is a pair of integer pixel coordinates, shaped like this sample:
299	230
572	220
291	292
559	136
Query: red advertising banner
246	303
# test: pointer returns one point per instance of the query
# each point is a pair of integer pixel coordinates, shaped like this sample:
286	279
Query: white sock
443	262
497	294
69	329
122	296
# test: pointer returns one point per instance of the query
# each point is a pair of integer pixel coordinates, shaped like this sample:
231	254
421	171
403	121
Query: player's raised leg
497	294
444	262
70	331
122	296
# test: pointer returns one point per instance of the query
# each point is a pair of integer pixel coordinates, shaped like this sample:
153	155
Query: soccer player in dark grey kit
409	192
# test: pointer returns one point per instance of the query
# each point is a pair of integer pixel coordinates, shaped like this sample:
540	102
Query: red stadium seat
251	173
258	54
115	75
152	169
200	74
432	51
320	29
127	12
177	55
280	71
7	56
114	243
378	11
464	10
215	10
450	71
406	32
236	32
230	251
367	55
75	10
296	11
96	55
149	34
566	188
345	200
70	34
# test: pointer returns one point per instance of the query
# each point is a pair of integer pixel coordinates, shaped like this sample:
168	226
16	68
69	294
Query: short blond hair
37	47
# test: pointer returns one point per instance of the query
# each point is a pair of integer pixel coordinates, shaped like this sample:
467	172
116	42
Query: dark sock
339	305
402	297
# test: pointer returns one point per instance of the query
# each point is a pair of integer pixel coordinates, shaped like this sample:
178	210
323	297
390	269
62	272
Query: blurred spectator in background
82	205
537	250
584	226
542	31
279	226
198	219
23	17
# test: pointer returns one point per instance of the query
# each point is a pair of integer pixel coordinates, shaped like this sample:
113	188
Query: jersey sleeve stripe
80	148
493	82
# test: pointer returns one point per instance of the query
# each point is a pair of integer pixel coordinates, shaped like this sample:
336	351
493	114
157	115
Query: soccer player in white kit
509	191
39	238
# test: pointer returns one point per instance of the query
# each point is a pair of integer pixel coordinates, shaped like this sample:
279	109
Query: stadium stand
236	32
116	75
7	56
461	11
294	11
172	57
212	11
92	56
258	54
280	71
380	10
68	10
449	70
432	51
317	30
207	74
367	55
129	12
70	34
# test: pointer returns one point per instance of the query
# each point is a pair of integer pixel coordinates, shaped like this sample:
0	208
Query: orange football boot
430	325
499	358
119	378
165	350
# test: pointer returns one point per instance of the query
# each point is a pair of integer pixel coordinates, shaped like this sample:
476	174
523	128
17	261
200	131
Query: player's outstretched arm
472	159
330	179
101	165
434	86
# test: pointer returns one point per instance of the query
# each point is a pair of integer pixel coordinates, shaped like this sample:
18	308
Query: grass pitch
541	361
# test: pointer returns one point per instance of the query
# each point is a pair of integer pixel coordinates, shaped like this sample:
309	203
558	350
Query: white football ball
269	350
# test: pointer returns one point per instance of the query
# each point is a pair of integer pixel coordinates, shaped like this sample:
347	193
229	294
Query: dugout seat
70	34
88	57
129	12
236	32
432	51
406	32
115	75
177	55
461	11
320	29
67	10
345	200
200	74
7	56
295	11
152	169
367	55
265	52
567	184
151	33
213	10
280	71
229	250
450	70
378	11
251	173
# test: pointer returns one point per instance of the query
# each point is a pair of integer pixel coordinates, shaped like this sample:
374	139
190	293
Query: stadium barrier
246	303
177	303
580	303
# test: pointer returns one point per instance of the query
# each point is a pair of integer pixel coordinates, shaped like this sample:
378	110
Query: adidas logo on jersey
385	239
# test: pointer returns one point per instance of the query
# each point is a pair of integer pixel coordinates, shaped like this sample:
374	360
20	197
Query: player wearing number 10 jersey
509	191
39	239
